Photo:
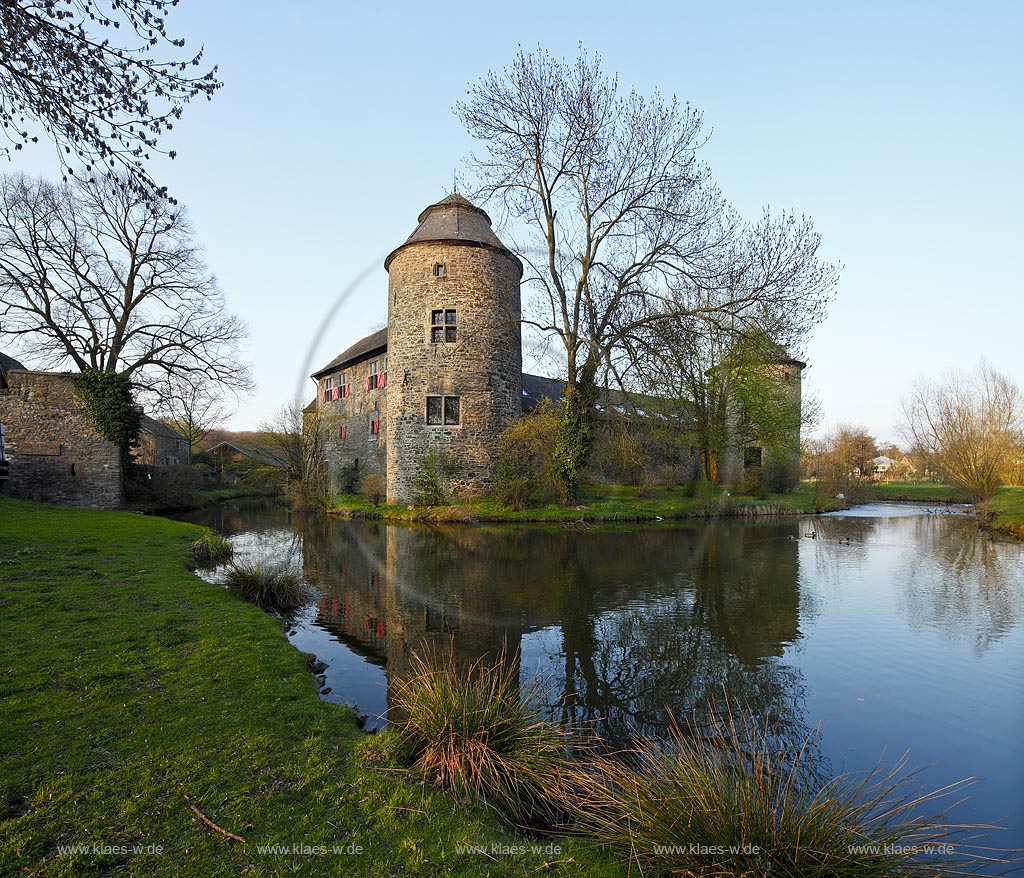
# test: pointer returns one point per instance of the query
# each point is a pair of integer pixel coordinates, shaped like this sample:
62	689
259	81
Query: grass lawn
598	503
131	690
1007	509
917	492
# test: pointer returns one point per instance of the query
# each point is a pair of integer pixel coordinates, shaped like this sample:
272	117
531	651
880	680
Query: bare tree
970	424
102	276
84	71
296	436
623	224
194	408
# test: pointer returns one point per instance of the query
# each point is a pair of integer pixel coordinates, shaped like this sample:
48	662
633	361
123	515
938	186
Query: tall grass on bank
745	800
475	732
211	549
271	587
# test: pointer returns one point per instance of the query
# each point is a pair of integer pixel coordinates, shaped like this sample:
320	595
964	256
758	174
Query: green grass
131	690
606	503
1007	511
917	492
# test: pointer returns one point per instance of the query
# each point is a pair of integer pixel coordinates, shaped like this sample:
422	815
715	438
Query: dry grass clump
271	587
744	800
473	730
211	549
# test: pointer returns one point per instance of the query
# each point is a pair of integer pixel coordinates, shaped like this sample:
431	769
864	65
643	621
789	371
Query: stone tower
454	347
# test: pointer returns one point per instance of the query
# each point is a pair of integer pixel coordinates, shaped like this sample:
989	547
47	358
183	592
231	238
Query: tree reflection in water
649	621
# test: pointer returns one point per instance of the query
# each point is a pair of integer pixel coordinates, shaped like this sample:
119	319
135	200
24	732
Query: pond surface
909	637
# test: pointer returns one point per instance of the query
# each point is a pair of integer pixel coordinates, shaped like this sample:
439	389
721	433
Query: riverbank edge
621	507
133	692
1006	513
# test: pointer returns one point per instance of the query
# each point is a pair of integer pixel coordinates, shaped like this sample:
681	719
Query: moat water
911	637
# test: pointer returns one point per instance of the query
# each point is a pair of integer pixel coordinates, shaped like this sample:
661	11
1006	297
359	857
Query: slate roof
151	425
454	220
8	363
375	342
537	387
254	452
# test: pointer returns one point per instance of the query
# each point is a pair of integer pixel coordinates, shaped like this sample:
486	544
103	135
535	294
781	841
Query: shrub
211	549
430	484
372	488
348	478
475	734
523	469
744	799
269	586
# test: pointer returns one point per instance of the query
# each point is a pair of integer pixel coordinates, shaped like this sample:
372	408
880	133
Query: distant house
889	469
227	453
160	445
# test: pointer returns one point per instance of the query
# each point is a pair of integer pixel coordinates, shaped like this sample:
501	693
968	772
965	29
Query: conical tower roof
454	220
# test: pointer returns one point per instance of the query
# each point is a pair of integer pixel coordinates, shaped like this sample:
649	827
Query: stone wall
345	423
55	454
483	366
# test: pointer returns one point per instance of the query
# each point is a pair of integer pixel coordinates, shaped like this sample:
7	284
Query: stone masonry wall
483	367
55	454
355	414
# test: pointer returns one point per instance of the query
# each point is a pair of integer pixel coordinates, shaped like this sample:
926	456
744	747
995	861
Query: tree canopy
621	226
86	73
104	276
970	425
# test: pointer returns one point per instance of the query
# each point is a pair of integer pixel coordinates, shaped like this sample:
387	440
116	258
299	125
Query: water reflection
640	622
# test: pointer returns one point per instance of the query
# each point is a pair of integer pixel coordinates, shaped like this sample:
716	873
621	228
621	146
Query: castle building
445	376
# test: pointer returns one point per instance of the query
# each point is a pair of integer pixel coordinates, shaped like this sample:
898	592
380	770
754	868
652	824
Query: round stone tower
454	348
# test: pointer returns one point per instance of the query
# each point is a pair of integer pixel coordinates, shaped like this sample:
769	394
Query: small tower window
443	410
443	326
439	269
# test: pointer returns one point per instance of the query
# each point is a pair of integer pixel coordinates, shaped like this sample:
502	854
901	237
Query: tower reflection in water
624	627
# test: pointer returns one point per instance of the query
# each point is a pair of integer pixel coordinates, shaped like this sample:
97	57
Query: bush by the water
430	484
742	798
269	586
211	549
474	731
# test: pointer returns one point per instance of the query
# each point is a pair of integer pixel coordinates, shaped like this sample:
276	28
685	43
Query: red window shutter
334	393
382	379
326	392
344	431
368	377
348	390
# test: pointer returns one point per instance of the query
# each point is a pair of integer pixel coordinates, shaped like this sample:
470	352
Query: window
439	269
375	427
344	431
377	378
443	410
442	326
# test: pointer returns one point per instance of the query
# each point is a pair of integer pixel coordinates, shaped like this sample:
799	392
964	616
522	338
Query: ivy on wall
107	398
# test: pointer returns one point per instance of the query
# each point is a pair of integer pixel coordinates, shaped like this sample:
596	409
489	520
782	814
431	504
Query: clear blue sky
896	126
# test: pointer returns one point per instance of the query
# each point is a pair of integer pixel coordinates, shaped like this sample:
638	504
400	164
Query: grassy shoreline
606	504
1007	511
131	690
